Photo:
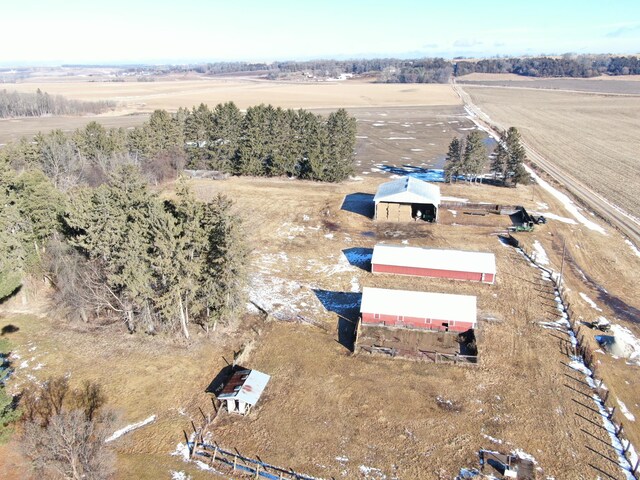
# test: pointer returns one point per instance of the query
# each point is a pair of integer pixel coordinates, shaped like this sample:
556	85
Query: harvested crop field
620	85
591	137
170	95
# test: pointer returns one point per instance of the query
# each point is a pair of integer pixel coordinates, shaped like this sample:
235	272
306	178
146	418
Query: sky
55	32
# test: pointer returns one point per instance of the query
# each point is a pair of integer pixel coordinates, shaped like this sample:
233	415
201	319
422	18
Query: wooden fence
215	456
583	350
429	355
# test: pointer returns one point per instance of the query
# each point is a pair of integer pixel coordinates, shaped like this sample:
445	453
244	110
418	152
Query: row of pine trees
467	159
263	141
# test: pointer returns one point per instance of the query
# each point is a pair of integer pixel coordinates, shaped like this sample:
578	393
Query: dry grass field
327	412
592	137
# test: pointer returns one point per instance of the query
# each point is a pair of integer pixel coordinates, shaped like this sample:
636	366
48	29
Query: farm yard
329	413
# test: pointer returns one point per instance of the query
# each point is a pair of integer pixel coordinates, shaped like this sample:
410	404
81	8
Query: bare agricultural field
611	84
591	137
170	95
12	130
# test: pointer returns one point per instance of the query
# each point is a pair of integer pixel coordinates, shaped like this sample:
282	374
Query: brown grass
592	137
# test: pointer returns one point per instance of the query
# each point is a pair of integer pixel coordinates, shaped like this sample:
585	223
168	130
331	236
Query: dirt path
605	209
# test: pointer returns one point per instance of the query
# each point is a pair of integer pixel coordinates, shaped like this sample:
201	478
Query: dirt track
613	214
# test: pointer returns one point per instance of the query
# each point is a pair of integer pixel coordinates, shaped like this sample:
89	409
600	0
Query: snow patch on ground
625	411
590	302
626	344
567	203
553	216
633	247
130	428
179	476
539	254
401	138
371	473
417	150
491	439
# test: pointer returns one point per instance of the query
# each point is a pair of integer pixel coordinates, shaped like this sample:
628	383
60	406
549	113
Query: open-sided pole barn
432	262
243	390
407	199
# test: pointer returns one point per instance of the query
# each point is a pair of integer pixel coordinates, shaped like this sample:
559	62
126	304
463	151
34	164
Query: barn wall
413	322
431	272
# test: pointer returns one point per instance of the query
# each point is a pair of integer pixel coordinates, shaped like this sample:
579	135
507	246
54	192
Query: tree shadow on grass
359	257
360	203
347	306
9	329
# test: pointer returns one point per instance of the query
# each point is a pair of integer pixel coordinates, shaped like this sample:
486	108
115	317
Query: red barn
433	311
431	262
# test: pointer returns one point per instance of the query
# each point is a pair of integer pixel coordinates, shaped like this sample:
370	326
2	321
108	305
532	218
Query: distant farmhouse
407	199
432	262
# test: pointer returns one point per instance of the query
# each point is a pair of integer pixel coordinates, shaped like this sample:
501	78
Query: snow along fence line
583	361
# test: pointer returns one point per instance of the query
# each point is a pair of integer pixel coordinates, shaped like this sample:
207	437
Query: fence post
613	410
213	457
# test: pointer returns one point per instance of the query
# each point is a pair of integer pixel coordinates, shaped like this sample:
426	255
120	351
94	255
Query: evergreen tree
224	138
224	273
475	156
341	129
453	161
516	157
499	164
198	126
314	147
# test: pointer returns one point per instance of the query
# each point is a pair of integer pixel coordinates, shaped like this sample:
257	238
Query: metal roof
455	260
408	190
436	306
246	386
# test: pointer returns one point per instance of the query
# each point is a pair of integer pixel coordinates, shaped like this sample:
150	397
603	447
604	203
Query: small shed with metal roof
243	390
433	262
427	310
406	199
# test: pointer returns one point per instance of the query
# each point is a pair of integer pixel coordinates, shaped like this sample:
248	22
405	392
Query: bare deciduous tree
65	431
70	446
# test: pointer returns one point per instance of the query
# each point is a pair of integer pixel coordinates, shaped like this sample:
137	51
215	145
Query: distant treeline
15	104
388	70
584	66
264	141
425	70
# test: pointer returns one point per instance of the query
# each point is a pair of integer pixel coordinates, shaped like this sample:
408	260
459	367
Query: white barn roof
454	260
251	390
438	306
408	190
